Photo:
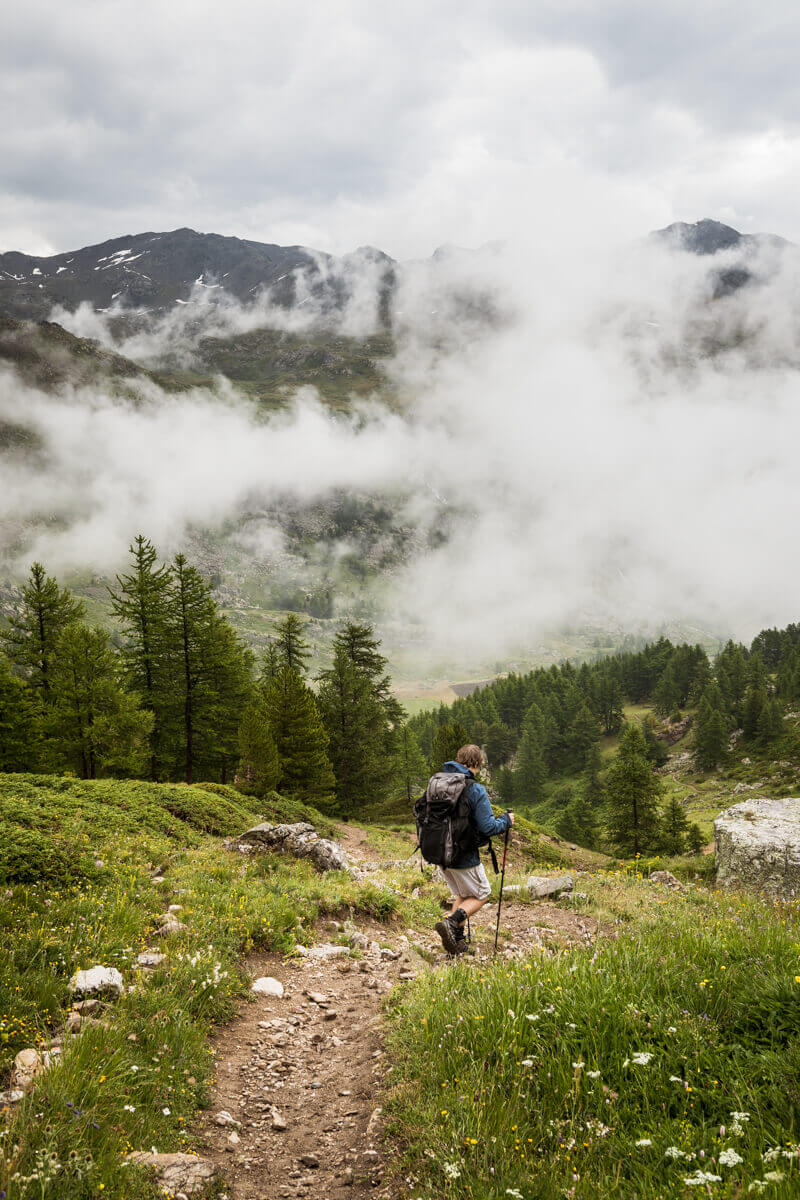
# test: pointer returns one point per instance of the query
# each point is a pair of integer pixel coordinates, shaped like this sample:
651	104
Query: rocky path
300	1074
295	1111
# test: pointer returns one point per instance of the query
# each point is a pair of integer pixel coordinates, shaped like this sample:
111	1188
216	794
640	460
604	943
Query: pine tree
211	676
356	724
504	785
593	789
583	734
667	694
711	736
141	605
657	751
292	647
259	769
500	743
675	826
95	725
770	724
447	742
695	839
31	636
607	702
578	823
410	768
633	793
530	772
20	725
300	738
755	702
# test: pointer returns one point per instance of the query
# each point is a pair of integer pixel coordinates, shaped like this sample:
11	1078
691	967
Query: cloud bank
619	448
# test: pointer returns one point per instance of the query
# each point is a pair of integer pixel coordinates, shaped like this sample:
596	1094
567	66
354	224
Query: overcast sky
336	123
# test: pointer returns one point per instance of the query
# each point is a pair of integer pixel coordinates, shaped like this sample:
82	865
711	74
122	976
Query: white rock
13	1096
27	1066
150	958
547	885
267	986
185	1173
101	981
757	846
279	1123
224	1119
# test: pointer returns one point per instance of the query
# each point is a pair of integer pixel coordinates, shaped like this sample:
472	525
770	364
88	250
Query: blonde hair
470	756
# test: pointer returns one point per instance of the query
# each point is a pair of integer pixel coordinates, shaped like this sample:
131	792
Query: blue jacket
485	821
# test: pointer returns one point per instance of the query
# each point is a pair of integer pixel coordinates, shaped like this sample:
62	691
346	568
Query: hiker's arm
488	824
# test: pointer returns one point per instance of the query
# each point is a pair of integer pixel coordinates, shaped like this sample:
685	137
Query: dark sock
460	916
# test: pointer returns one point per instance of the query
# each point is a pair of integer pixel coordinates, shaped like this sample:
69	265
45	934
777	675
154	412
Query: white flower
675	1079
729	1158
774	1176
644	1142
165	1111
673	1152
451	1170
579	1065
671	1029
526	1062
771	1154
513	1192
701	1177
640	1059
593	1074
757	1185
129	1108
532	1016
571	1025
740	1116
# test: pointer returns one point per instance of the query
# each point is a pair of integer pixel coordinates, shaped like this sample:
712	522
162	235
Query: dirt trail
303	1073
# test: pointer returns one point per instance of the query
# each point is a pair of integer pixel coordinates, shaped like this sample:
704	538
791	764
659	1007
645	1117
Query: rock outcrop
97	981
757	845
300	840
187	1173
540	886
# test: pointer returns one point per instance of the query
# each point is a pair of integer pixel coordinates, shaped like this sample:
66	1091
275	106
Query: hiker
465	876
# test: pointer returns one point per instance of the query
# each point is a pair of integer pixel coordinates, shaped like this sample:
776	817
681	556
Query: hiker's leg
467	904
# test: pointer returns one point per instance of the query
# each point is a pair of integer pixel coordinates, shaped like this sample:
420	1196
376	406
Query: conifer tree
583	734
770	723
447	742
657	751
31	636
695	839
300	738
141	605
578	823
593	790
211	671
292	647
411	769
356	724
633	793
530	772
504	784
754	704
259	769
95	725
500	743
20	726
675	826
711	736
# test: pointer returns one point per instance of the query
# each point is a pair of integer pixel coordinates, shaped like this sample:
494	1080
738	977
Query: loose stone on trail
546	885
267	986
101	981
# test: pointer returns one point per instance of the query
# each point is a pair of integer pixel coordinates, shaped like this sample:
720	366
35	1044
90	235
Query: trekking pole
502	880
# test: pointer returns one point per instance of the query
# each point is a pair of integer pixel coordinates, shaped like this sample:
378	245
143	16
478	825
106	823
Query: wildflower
593	1074
671	1029
526	1062
774	1176
644	1142
729	1158
451	1170
640	1059
129	1108
675	1079
531	1016
579	1065
701	1177
165	1111
771	1154
514	1192
674	1152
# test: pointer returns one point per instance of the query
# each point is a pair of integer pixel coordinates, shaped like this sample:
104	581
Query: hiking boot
464	947
451	930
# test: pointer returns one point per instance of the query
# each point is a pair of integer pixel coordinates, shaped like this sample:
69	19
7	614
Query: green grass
138	1081
523	1077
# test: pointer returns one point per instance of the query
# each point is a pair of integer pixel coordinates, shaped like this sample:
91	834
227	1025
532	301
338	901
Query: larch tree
301	741
632	796
31	636
20	724
95	725
259	768
141	603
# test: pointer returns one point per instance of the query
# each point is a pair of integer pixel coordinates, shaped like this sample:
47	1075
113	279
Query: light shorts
467	882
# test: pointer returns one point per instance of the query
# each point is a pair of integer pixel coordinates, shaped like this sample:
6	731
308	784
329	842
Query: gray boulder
540	886
300	840
757	844
97	981
185	1173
